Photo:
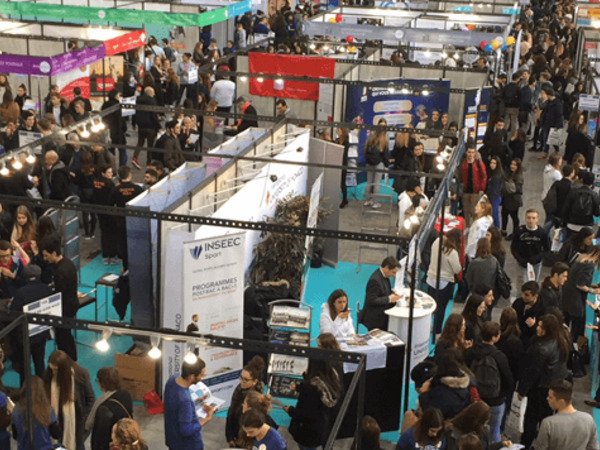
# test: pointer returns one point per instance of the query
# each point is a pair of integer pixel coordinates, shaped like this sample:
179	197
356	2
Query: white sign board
313	208
50	306
27	137
213	288
288	365
589	102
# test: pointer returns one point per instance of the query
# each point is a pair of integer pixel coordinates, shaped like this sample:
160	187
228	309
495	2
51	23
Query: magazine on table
201	396
385	337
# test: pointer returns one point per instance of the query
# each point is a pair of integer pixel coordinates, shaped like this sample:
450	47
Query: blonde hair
127	435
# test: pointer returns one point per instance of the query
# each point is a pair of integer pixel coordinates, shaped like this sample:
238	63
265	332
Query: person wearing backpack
492	372
581	205
512	101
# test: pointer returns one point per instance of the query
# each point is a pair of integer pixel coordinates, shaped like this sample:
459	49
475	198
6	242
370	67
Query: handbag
556	137
516	416
503	285
154	405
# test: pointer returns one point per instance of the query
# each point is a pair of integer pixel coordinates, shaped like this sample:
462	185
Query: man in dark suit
33	290
379	295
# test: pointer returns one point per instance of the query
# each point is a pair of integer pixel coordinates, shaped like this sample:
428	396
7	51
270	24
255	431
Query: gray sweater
482	271
575	431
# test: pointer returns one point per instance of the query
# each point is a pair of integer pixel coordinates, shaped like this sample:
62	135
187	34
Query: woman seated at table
335	316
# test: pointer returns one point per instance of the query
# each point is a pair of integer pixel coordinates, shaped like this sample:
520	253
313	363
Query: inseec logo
212	249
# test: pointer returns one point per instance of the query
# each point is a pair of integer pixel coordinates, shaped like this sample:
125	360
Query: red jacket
479	175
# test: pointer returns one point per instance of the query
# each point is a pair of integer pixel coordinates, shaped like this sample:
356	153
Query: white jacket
477	231
339	327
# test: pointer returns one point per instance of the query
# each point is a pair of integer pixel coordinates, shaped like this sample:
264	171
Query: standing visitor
512	198
472	175
478	229
379	295
183	429
71	395
375	152
529	310
495	187
449	269
529	244
567	428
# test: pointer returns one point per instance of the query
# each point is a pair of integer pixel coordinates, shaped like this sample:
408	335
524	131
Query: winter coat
551	297
115	408
312	416
536	311
573	299
575	218
552	115
512	347
449	394
479	176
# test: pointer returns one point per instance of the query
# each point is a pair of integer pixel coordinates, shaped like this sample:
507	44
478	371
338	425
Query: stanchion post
27	372
411	317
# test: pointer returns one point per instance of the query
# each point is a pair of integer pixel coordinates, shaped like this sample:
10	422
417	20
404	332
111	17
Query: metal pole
440	246
27	373
411	317
360	406
157	294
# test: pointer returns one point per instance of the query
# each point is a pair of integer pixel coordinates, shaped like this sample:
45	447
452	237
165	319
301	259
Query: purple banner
79	58
25	65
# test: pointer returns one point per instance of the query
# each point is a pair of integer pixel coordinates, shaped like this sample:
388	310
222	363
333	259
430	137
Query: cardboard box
138	373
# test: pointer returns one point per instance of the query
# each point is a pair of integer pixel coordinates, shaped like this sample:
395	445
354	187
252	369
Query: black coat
115	122
513	348
449	394
118	406
574	217
481	350
573	299
234	412
248	119
513	201
552	115
550	296
542	366
377	301
57	179
146	119
562	187
578	142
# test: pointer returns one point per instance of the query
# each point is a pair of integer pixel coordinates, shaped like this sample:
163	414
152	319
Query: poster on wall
372	103
106	75
68	81
213	290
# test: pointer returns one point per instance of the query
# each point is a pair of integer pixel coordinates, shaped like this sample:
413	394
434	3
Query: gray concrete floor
351	218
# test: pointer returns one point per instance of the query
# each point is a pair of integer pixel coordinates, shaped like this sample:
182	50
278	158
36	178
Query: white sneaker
368	203
376	205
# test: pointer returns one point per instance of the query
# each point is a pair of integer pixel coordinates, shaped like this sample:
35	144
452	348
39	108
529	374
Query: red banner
299	66
125	42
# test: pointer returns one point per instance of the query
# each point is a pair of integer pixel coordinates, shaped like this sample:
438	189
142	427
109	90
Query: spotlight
456	56
444	55
407	223
190	357
4	171
243	79
414	220
260	79
84	133
425	92
427	53
312	46
405	91
30	158
154	352
16	164
440	167
439	159
102	345
326	48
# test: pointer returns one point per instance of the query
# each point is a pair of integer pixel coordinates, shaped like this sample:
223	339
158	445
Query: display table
398	322
383	394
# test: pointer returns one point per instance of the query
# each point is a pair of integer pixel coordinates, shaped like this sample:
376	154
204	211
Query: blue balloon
488	48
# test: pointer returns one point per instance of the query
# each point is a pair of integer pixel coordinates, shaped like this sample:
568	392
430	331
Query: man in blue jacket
183	428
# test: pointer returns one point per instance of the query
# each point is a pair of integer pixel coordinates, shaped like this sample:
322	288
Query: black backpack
583	206
487	374
512	95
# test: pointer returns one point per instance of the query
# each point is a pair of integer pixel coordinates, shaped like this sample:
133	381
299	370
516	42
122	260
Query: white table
398	323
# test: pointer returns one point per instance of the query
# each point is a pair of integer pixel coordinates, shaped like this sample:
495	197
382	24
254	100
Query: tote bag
516	416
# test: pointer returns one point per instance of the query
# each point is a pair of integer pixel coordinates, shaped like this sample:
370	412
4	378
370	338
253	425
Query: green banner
105	15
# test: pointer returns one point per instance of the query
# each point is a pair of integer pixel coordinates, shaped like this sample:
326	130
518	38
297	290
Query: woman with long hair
449	268
449	388
494	235
578	243
495	186
473	419
250	380
9	109
375	150
45	423
483	220
318	394
578	287
473	312
343	138
513	195
45	227
453	335
335	316
126	435
171	87
545	362
71	395
428	432
578	140
484	268
24	229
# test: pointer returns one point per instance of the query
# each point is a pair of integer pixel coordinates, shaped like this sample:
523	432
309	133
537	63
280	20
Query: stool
108	281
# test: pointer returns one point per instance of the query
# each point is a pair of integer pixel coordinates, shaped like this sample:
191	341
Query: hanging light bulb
154	352
30	158
243	79
102	345
190	357
16	164
4	171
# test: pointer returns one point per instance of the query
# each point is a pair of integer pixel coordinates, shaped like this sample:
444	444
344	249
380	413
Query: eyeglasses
246	380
